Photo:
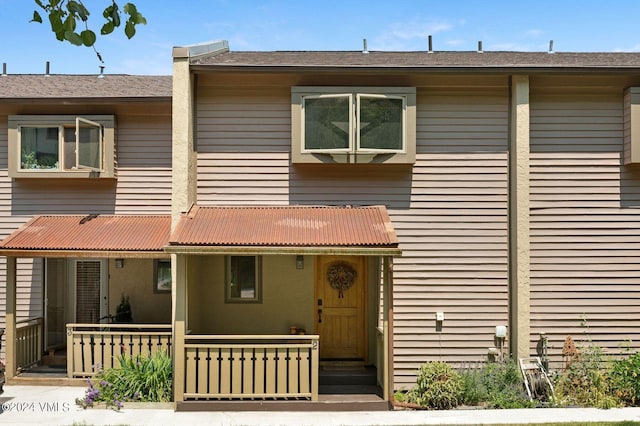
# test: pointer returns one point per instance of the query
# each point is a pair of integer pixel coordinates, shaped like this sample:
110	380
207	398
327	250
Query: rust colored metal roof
92	233
286	226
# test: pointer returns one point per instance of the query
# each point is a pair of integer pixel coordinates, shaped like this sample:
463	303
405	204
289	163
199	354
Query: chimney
46	71
480	46
430	44
4	69
364	46
101	75
551	46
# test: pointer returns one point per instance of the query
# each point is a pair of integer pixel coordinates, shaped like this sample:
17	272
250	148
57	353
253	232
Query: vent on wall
632	125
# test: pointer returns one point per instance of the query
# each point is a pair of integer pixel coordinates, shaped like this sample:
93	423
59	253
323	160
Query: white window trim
107	145
355	154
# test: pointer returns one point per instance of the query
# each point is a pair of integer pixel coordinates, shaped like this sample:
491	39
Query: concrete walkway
52	405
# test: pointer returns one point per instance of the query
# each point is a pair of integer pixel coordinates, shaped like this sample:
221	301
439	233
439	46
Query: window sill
75	174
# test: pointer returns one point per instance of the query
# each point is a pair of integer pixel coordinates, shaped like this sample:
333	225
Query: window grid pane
243	282
381	123
327	123
39	148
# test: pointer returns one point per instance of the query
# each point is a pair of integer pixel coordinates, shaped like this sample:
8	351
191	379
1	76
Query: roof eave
285	250
89	100
79	253
324	69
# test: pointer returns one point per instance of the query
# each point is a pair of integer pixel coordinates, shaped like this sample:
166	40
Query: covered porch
105	289
273	304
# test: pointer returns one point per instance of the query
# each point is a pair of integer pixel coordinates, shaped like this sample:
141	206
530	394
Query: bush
505	386
585	381
139	378
438	386
625	379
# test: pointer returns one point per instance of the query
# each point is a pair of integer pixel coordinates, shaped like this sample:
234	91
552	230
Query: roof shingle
59	86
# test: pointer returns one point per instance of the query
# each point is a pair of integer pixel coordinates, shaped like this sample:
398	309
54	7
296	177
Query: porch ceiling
90	236
285	230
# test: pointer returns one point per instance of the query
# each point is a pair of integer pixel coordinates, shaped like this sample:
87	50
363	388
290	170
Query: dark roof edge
463	69
90	100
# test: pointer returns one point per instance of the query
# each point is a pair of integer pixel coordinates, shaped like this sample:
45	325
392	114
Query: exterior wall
449	209
143	185
287	298
585	254
135	280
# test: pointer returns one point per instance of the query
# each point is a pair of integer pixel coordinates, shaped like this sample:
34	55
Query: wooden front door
340	291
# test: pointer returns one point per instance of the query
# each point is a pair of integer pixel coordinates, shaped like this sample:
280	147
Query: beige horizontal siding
449	210
585	249
453	233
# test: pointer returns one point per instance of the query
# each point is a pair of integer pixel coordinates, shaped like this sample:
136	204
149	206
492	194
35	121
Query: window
61	146
162	281
243	279
353	125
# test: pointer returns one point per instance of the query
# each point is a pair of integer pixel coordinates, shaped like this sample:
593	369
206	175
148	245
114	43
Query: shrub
496	384
625	379
505	386
438	386
585	381
139	378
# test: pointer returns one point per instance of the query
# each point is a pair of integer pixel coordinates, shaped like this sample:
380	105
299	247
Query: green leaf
39	3
107	12
107	28
73	38
88	37
130	29
70	23
55	21
130	9
36	17
115	16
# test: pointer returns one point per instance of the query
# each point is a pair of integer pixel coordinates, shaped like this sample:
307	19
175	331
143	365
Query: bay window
353	125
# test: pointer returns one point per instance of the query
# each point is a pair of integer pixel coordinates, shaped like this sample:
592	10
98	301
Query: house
343	210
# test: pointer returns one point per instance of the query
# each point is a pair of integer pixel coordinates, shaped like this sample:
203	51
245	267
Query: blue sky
585	26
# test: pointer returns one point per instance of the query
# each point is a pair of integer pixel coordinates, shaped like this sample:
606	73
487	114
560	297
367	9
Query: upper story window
61	146
353	125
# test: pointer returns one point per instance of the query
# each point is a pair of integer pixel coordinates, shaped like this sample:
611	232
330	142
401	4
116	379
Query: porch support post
387	326
179	309
519	221
10	319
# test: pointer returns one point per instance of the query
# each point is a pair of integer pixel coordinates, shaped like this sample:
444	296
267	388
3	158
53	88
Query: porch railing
251	367
28	342
99	345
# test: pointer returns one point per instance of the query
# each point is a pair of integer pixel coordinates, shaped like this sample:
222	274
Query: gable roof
420	61
285	229
65	86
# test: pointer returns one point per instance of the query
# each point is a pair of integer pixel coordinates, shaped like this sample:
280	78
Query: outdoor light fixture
299	261
119	263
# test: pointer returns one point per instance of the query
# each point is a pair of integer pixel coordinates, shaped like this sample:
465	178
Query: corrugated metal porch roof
88	235
279	229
